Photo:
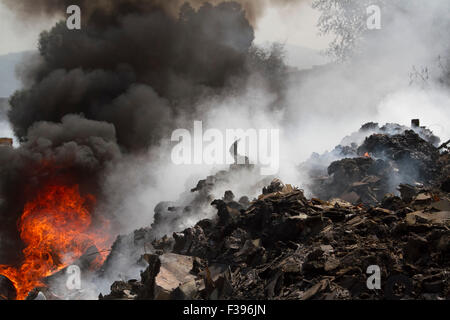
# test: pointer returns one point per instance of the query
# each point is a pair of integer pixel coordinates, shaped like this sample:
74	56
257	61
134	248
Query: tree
405	25
347	21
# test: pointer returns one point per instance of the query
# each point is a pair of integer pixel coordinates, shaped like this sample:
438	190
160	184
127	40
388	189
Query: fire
56	228
366	155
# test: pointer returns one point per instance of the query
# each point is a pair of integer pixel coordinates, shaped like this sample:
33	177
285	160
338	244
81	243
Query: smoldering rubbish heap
96	98
283	245
93	98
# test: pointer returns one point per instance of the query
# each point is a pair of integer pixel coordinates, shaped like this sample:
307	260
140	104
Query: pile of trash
285	246
385	158
191	207
386	208
373	225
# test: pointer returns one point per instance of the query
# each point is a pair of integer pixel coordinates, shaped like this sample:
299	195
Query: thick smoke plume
137	74
104	10
95	101
378	81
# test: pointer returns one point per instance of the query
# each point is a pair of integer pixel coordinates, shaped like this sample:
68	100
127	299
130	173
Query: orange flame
367	155
56	228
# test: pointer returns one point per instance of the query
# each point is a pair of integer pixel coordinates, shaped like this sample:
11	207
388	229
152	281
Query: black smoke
117	87
106	11
137	73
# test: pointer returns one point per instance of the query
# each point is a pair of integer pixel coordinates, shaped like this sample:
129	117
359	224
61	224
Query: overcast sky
18	35
292	25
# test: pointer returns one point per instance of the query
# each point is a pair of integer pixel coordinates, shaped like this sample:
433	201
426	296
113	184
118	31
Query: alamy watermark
373	21
73	277
215	147
396	286
73	22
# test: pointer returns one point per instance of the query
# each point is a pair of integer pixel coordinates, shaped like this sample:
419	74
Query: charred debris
386	202
380	198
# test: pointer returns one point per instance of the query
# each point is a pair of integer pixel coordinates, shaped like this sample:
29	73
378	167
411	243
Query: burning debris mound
373	162
84	111
55	227
48	197
193	206
284	246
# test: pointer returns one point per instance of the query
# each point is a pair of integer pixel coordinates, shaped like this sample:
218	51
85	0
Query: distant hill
299	57
8	81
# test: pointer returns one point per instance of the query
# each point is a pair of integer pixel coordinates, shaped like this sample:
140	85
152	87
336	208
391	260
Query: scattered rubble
386	203
284	245
387	157
193	206
446	185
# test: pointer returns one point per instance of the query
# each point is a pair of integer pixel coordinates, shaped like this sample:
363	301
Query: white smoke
322	106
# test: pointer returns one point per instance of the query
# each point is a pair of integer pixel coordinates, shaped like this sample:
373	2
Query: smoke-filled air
89	176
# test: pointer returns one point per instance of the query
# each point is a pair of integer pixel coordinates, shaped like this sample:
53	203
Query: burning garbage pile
55	224
100	97
372	162
83	112
193	206
48	203
283	245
